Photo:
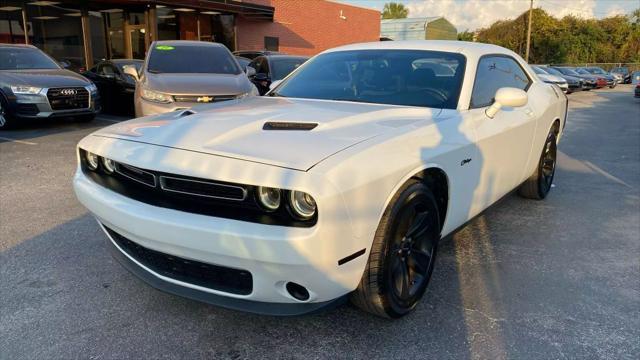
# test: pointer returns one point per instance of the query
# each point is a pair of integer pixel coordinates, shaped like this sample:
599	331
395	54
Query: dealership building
84	32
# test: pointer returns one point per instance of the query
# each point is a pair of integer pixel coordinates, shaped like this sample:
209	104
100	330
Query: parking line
18	141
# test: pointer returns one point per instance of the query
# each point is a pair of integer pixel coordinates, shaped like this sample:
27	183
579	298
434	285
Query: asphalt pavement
553	279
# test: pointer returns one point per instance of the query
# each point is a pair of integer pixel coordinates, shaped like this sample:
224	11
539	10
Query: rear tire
402	254
538	185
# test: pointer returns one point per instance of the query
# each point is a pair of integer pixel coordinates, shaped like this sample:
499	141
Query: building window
114	25
11	27
271	43
167	24
56	28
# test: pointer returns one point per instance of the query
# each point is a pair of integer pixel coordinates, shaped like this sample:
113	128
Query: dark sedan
611	80
601	81
272	68
252	54
589	81
575	83
116	88
636	92
33	85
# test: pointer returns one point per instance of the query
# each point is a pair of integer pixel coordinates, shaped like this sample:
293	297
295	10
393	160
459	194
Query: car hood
198	84
551	78
236	128
44	78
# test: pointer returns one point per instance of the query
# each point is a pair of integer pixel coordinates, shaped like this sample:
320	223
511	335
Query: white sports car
338	184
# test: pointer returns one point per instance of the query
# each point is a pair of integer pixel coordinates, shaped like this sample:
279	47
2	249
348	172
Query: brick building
306	27
82	32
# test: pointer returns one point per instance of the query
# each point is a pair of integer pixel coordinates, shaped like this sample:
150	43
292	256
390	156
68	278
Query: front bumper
274	255
37	106
146	108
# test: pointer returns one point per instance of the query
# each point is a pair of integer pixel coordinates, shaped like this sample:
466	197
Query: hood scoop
280	125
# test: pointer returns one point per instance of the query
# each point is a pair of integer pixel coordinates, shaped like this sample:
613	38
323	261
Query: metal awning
244	9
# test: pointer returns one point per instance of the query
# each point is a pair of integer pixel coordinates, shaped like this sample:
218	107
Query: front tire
6	121
538	185
402	254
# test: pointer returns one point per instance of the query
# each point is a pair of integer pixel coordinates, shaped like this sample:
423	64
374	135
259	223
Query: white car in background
338	184
550	78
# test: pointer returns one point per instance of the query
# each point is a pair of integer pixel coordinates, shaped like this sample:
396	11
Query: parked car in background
600	80
252	54
115	86
574	83
623	72
179	74
636	92
338	184
635	77
243	61
612	81
551	79
589	81
33	85
270	68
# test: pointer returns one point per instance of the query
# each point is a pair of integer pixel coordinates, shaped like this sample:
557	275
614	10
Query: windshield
539	71
395	77
567	71
620	70
192	59
136	64
596	71
25	58
553	71
282	67
583	72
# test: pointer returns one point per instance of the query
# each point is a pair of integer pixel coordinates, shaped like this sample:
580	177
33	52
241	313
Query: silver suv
180	74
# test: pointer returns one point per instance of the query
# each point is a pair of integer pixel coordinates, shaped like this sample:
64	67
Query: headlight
108	165
92	160
302	204
25	89
92	87
156	96
270	198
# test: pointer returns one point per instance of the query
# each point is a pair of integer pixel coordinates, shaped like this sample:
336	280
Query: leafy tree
394	10
466	35
570	39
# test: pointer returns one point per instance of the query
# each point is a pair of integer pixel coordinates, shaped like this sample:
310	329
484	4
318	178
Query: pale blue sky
472	14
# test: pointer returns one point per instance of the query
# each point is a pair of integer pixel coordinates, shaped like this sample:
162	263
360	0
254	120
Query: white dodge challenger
338	184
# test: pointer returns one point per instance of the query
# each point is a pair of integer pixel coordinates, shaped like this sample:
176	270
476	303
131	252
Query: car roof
187	42
469	48
276	57
17	46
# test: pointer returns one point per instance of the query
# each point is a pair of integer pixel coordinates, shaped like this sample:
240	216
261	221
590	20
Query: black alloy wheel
402	255
538	185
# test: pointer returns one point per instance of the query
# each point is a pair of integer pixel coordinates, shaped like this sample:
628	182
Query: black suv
33	85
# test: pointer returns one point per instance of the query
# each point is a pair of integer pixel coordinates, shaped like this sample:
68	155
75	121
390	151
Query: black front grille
68	98
234	281
139	175
202	188
203	98
190	194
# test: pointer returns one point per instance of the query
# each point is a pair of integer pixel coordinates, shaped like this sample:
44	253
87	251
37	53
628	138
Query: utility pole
526	57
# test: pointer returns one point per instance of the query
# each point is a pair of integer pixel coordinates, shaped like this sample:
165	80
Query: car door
107	82
504	142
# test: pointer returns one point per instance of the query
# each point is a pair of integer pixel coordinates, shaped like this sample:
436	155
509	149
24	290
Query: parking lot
526	279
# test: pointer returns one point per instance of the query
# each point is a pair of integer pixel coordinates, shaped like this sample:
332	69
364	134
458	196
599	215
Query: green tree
466	35
394	10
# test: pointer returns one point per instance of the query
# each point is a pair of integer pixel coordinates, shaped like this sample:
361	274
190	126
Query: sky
475	14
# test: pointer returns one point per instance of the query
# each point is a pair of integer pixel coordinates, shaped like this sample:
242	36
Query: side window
106	69
493	73
255	63
264	66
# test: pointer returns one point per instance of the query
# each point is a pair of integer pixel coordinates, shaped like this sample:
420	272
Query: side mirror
250	71
274	84
261	77
507	96
131	71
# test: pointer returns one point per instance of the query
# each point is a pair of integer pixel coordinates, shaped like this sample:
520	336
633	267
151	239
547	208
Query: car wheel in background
402	254
6	121
538	185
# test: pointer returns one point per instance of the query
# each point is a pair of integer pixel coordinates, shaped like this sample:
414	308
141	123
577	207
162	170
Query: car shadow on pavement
34	128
